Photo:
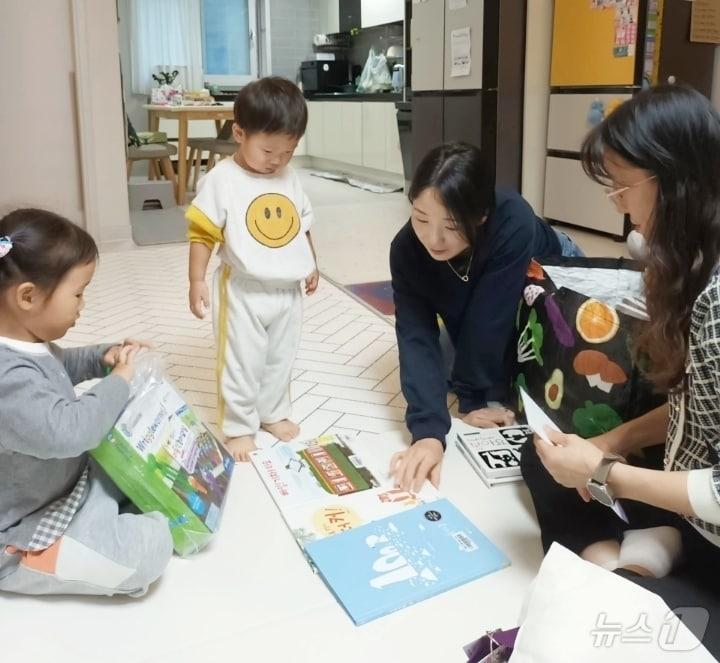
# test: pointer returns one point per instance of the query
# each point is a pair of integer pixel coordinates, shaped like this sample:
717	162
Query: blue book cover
391	563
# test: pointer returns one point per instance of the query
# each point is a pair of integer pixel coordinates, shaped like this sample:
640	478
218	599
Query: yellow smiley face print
273	220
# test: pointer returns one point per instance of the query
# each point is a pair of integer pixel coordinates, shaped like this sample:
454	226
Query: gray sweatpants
103	551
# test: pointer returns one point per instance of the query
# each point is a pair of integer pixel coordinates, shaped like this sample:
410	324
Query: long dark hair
45	247
674	133
463	180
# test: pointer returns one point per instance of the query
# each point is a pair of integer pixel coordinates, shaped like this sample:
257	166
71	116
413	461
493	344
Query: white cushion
575	608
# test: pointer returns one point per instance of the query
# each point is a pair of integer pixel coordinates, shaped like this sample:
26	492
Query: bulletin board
594	42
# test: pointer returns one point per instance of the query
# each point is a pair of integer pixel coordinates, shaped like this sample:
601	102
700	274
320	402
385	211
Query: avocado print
595	419
554	389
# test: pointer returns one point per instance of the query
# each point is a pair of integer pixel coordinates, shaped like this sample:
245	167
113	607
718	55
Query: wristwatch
597	483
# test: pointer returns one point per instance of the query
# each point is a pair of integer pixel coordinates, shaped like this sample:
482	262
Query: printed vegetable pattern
531	341
573	353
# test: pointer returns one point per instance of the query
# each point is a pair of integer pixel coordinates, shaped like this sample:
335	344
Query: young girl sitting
61	526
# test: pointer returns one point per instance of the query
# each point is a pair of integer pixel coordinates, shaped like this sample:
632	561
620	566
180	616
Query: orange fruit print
596	321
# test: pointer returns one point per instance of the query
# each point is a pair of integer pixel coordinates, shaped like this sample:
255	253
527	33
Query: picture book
388	564
494	453
322	487
165	459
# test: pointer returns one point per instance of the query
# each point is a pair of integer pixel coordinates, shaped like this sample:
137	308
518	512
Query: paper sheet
705	22
460	52
536	418
457	4
539	421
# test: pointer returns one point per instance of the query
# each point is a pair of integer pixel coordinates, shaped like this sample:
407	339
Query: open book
323	487
377	548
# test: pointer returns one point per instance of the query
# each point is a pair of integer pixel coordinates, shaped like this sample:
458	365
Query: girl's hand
199	298
570	460
311	282
111	356
124	365
421	461
490	417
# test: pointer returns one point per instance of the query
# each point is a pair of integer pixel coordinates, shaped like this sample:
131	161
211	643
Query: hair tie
5	246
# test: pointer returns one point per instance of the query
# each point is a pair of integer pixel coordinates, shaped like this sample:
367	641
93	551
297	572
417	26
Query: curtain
165	35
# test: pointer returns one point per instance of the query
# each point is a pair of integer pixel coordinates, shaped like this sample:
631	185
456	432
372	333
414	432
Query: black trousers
564	517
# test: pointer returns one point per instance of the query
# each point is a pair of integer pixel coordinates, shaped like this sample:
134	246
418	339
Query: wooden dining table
184	114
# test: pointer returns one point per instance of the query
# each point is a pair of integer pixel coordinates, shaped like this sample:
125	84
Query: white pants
257	331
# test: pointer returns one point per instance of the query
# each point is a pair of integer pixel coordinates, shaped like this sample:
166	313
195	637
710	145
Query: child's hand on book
199	298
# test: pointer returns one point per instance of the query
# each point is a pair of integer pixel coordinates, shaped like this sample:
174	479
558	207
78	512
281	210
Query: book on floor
323	487
494	453
387	549
388	564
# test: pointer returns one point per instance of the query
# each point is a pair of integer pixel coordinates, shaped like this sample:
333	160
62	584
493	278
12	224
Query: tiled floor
345	375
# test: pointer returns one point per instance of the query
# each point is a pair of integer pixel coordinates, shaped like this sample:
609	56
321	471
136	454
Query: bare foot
240	447
284	430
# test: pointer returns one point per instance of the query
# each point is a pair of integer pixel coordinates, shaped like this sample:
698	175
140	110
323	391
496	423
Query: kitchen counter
355	96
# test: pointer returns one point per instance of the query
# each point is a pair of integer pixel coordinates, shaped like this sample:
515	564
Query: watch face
600	493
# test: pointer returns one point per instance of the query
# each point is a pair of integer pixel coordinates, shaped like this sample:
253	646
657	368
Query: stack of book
494	453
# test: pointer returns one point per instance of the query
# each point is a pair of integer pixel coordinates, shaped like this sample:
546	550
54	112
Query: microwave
324	76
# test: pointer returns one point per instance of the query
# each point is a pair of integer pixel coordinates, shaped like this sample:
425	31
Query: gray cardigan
46	430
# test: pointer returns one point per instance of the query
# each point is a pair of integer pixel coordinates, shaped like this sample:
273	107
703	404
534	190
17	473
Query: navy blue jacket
479	314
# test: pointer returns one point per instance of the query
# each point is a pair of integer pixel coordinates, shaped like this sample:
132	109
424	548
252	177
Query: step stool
153	194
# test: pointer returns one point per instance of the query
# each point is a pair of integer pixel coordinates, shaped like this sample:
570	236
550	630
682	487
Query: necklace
463	277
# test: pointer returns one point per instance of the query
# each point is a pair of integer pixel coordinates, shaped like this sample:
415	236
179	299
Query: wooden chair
223	146
154	153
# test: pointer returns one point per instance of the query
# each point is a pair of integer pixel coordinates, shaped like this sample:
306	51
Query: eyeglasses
612	192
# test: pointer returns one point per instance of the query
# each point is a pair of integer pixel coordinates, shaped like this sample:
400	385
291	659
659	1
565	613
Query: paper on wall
457	4
460	52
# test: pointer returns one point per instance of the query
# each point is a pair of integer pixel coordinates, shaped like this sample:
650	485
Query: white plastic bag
162	456
375	75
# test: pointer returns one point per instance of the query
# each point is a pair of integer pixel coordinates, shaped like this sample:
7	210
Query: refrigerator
467	81
603	52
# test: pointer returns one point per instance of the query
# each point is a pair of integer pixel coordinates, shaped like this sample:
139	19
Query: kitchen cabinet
373	135
315	143
329	16
379	12
334	131
426	38
393	155
380	137
356	133
349	15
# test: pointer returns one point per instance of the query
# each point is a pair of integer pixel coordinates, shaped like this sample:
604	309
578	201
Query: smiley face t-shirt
260	220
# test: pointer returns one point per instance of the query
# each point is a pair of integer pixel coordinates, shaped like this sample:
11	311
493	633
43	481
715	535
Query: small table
183	114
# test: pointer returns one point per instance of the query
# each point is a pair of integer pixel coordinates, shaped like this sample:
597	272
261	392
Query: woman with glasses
659	156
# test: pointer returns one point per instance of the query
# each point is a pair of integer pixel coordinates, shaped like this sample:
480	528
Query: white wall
38	132
537	96
293	23
44	138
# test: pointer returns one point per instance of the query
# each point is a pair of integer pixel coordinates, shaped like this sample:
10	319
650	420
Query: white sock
603	553
655	549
